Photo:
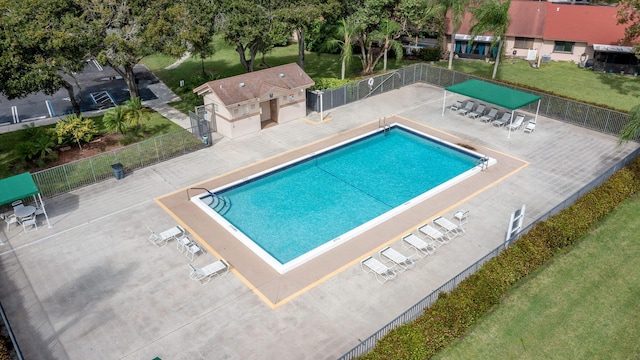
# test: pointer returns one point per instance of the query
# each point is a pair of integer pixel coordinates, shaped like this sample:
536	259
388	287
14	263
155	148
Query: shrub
328	83
428	53
453	313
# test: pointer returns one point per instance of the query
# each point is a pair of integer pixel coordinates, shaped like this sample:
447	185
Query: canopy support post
444	102
510	123
537	110
43	209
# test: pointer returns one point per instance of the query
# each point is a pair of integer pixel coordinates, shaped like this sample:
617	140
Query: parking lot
97	87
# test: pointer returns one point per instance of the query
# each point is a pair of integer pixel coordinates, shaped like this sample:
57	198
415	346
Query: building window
244	109
216	108
523	43
563	46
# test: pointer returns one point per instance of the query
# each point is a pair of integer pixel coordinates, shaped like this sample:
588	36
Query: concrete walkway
93	287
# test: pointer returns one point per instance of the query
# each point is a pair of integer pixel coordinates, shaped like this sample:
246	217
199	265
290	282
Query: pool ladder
382	123
483	162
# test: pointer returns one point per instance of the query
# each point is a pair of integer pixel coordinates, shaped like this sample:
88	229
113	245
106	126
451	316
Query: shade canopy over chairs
14	189
205	274
382	272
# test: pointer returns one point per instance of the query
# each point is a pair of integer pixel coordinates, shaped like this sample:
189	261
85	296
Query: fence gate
200	125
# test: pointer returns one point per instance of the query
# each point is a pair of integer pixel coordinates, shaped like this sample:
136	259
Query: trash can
118	170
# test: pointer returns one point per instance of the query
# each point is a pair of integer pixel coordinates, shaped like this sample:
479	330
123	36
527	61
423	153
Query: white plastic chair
29	221
10	219
531	126
192	250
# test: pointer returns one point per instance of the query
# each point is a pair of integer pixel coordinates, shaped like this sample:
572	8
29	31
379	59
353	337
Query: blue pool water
294	210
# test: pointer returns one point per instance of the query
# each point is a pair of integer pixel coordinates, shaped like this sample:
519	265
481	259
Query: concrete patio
93	287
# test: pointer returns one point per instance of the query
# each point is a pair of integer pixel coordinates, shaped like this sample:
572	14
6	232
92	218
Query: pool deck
93	287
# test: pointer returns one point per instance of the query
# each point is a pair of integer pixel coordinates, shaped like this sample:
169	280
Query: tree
628	15
135	113
43	44
201	27
247	25
127	31
492	16
372	20
456	10
115	119
344	34
631	130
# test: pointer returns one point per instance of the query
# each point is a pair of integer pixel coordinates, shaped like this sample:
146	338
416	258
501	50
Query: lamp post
319	93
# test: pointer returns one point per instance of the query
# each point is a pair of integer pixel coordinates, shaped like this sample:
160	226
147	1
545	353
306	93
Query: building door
273	105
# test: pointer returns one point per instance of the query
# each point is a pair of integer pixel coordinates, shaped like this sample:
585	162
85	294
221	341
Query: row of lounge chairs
190	248
479	112
427	238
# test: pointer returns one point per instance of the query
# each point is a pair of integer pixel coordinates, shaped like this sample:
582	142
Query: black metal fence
416	310
570	111
73	175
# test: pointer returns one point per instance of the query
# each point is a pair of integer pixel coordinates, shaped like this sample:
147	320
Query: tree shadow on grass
621	84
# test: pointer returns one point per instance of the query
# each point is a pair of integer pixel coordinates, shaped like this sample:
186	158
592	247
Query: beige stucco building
244	104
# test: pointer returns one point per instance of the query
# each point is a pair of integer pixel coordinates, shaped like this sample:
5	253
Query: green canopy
494	94
17	187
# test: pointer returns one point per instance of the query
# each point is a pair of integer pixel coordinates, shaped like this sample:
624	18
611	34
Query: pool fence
418	309
589	116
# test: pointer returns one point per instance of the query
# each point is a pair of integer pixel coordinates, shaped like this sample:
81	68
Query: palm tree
631	130
387	34
456	9
344	37
492	16
114	119
135	113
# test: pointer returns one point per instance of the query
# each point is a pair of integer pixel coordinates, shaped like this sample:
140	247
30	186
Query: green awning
493	94
16	188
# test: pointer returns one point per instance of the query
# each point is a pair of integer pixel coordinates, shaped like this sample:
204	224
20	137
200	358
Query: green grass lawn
226	62
562	78
584	305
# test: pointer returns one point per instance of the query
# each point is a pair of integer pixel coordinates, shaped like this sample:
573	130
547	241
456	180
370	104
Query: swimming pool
291	214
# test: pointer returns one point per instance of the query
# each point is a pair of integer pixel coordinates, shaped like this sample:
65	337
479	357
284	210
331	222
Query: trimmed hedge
453	313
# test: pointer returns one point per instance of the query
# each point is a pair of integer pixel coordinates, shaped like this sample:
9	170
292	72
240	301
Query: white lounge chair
531	126
450	229
402	262
467	108
490	116
421	247
433	234
516	124
217	268
506	117
382	272
174	233
456	106
479	111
